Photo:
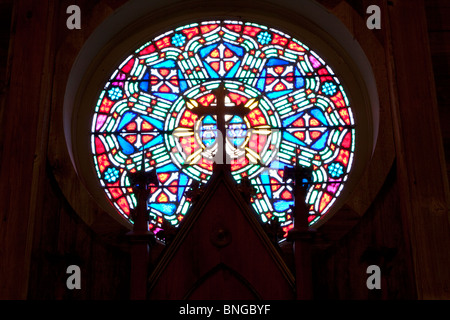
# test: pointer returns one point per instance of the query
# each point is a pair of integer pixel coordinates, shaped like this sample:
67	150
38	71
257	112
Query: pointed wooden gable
221	252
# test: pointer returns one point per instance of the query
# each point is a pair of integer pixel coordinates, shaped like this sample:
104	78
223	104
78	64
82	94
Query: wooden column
301	235
140	237
24	127
420	156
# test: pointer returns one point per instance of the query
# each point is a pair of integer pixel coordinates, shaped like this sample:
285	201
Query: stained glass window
282	106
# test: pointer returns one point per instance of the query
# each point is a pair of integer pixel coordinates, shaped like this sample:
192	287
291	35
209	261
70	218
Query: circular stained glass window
223	92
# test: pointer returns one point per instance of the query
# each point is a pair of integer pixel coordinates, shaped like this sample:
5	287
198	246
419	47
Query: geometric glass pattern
283	106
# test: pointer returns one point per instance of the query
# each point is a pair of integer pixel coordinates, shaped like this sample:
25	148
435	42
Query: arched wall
138	21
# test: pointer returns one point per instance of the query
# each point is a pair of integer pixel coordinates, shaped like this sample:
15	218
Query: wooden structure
398	217
221	252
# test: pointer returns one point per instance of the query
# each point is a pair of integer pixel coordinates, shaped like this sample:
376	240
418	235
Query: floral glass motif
296	113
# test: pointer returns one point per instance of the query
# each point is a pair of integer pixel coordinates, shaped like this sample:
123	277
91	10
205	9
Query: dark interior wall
415	43
340	271
437	12
62	239
40	232
61	236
